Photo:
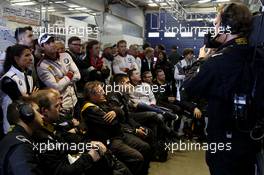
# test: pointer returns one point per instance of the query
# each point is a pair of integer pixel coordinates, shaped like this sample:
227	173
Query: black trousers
154	121
134	152
240	160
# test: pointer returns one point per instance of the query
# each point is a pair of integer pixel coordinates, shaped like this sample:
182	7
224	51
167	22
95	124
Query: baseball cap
43	38
107	45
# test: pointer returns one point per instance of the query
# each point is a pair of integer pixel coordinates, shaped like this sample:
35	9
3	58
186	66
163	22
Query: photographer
219	78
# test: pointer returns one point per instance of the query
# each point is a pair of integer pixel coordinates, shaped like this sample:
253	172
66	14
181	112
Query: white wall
132	40
134	15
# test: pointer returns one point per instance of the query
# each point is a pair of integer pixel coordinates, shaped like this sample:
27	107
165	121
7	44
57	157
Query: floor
181	163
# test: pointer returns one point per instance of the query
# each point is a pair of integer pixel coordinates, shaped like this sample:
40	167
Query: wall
115	29
164	29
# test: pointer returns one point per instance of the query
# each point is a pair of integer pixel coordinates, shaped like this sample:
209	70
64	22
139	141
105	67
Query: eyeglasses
76	44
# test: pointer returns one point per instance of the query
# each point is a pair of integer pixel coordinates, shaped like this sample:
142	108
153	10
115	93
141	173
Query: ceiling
83	7
63	7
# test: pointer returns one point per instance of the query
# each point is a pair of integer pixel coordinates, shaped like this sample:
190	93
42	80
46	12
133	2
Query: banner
20	14
6	39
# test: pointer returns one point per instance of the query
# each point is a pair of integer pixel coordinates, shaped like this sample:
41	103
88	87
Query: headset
26	113
226	17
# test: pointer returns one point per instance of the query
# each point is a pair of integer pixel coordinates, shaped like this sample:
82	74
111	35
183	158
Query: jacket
127	61
17	155
116	99
53	75
142	93
54	159
13	85
147	66
98	129
180	67
217	81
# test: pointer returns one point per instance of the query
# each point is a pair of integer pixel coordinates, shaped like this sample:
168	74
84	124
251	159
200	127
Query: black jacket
168	90
17	156
116	99
98	128
218	79
55	161
167	67
146	67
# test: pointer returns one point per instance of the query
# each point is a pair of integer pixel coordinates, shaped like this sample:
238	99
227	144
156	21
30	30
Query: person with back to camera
219	78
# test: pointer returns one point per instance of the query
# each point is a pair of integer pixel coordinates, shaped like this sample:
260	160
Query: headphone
227	20
25	110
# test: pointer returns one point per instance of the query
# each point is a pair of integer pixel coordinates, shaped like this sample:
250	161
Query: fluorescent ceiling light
73	6
152	5
203	1
222	0
71	9
81	8
163	4
60	2
16	1
25	3
50	8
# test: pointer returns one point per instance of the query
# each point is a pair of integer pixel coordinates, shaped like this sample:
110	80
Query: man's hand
35	89
124	69
102	147
70	74
94	154
110	116
197	113
171	99
203	54
141	132
75	122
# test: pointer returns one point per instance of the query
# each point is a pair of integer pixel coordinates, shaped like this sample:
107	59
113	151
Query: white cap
43	38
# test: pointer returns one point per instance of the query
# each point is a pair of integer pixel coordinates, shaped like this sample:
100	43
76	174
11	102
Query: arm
50	81
74	68
134	63
23	161
199	85
116	66
10	88
177	75
94	115
59	164
152	98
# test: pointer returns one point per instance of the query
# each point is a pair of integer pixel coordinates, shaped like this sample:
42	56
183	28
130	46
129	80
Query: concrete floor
181	163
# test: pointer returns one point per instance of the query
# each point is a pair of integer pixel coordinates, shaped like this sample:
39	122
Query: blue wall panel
164	22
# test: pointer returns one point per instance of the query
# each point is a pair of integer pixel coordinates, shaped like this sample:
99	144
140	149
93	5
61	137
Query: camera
240	107
210	41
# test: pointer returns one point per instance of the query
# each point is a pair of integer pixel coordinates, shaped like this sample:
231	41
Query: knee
137	156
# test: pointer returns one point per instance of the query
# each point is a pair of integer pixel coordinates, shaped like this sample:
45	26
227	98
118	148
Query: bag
161	154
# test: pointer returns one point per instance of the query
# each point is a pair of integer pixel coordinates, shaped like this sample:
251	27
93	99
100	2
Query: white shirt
124	62
143	94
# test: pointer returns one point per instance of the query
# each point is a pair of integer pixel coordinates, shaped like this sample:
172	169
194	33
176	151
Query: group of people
57	95
123	102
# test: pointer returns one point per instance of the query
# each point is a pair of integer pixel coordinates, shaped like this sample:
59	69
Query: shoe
171	116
